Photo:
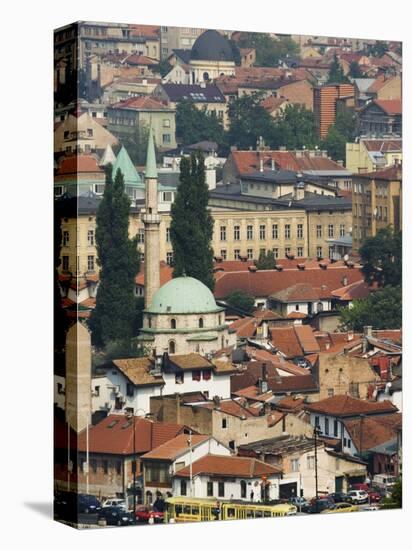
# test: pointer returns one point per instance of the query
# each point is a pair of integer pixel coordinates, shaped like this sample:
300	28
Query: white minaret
151	220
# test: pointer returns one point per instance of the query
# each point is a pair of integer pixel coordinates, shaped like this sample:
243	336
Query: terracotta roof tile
137	370
354	291
390	106
374	431
229	466
141	103
175	447
190	361
298	384
344	405
78	163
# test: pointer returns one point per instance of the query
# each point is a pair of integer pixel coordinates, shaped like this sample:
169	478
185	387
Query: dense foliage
194	125
191	227
269	51
114	315
381	258
340	133
266	260
336	74
242	300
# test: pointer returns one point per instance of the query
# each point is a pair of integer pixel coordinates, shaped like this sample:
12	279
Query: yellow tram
183	509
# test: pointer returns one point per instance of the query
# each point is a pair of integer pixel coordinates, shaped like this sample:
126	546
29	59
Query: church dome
183	295
211	46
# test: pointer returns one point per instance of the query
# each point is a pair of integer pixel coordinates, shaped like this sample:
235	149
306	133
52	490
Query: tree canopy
248	121
336	74
295	128
355	70
191	227
381	258
136	144
266	260
242	300
118	258
382	309
269	51
194	125
340	133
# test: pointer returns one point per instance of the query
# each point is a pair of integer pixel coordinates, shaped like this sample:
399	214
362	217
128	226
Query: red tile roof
229	466
390	106
290	403
267	282
297	384
141	103
392	173
166	274
354	291
302	292
78	163
136	59
245	327
277	361
272	103
114	435
149	31
383	145
380	82
175	447
344	405
373	431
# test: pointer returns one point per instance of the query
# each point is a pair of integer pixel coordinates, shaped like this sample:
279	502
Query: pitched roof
231	407
114	435
276	360
137	370
390	106
344	405
301	292
244	327
373	431
297	384
175	447
229	466
382	145
141	104
190	361
392	173
380	82
272	103
354	291
194	92
124	163
78	163
267	282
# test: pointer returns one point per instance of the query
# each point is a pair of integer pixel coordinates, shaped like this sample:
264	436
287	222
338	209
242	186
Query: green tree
194	125
191	227
336	74
164	67
381	258
378	49
355	70
340	133
268	50
295	128
242	300
136	144
118	258
381	310
266	260
248	121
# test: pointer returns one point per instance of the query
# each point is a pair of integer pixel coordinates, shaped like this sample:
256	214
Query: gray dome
211	46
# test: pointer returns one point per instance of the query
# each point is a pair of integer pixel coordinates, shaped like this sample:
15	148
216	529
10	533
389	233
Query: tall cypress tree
191	228
118	257
336	74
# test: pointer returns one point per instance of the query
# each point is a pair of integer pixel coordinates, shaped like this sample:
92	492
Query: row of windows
90	263
205	374
90	237
237	234
250	253
330	230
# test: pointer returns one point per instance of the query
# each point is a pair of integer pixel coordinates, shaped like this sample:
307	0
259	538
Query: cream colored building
82	134
368	155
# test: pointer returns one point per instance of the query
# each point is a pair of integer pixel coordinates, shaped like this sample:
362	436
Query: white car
358	497
119	502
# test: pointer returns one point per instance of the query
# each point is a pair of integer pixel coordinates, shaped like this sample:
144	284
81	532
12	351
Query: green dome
183	295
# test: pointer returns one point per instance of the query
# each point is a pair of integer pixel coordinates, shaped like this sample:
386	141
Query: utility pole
315	433
190	463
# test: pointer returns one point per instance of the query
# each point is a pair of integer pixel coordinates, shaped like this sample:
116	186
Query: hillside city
228	274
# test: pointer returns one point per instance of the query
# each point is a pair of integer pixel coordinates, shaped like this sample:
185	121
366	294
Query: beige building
376	202
82	134
368	155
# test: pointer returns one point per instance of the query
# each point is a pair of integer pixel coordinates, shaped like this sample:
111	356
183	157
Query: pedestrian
252	494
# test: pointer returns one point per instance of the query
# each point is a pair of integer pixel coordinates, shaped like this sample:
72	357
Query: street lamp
130	414
316	432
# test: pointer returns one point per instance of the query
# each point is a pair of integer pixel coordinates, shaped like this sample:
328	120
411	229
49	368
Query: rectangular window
118	467
287	231
89	132
224	423
342	230
311	462
166	138
169	258
327	426
66	238
319	252
210	488
222	233
183	487
206	374
90	263
294	463
196	375
318	231
236	254
236	232
300	231
287	250
300	251
99	188
223	254
249	232
262	232
105	464
166	123
331	392
65	263
250	253
179	377
275	232
140	236
330	230
168	234
129	390
276	252
221	489
90	237
317	421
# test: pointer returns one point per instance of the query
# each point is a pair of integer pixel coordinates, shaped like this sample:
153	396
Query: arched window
149	322
205	76
172	323
172	346
201	322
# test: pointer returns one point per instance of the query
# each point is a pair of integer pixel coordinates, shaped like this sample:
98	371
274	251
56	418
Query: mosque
182	316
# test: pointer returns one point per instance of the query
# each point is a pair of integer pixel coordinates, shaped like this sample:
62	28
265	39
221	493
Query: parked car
358	497
341	507
323	504
144	514
384	482
68	505
299	502
119	502
115	515
374	497
88	504
339	497
360	487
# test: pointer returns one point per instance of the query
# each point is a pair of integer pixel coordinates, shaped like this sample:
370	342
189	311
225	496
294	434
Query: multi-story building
377	202
126	117
172	38
324	104
381	118
368	155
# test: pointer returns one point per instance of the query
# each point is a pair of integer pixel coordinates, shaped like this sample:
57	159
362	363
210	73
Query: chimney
367	331
340	162
216	401
272	163
323	265
252	268
177	403
261	165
